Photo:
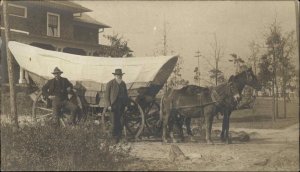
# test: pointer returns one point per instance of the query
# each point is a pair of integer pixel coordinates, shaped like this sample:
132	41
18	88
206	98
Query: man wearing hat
116	98
57	90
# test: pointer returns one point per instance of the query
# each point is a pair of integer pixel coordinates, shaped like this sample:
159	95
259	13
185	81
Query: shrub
52	148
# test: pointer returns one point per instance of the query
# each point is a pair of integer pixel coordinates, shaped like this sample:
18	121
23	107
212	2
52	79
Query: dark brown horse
239	81
194	101
171	107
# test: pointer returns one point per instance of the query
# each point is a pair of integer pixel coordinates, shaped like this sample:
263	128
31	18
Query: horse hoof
228	141
165	141
192	139
209	142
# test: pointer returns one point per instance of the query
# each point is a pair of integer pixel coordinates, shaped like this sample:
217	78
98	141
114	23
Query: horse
193	102
171	100
239	81
205	102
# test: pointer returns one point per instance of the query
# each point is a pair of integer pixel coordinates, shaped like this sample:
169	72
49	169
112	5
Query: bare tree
254	48
197	69
217	54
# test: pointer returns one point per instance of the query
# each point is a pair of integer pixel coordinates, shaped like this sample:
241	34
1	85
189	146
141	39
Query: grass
261	116
46	147
23	101
59	149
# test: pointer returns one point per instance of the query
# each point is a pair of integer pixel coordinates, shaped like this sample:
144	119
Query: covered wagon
145	77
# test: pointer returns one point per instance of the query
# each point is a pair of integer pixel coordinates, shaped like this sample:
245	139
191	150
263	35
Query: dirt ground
267	150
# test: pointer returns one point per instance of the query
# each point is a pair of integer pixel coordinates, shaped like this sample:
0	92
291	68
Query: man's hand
109	108
51	97
126	108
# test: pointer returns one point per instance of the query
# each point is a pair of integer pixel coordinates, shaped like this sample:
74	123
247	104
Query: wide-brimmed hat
118	72
57	70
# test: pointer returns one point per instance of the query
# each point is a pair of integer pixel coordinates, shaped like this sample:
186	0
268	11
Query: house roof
68	5
84	18
63	5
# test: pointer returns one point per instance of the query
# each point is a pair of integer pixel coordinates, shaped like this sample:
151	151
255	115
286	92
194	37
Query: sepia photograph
151	85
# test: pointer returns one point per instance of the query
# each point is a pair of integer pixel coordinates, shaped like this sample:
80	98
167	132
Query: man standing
57	90
116	98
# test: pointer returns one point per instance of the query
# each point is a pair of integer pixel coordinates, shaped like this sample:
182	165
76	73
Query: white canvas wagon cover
139	71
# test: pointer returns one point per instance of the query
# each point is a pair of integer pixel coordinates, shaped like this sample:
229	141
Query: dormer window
53	24
17	10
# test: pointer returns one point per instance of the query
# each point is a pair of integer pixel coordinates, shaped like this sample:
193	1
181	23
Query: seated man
56	89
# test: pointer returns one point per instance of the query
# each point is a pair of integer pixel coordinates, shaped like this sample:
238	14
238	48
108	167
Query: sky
191	26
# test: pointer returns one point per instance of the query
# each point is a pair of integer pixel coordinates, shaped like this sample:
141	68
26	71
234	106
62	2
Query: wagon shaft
194	106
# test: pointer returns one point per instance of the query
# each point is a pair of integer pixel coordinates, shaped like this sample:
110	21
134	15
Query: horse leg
228	139
178	120
165	124
208	113
188	128
171	125
180	124
224	127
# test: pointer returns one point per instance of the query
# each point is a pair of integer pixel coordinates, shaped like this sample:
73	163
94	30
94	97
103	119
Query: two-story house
53	25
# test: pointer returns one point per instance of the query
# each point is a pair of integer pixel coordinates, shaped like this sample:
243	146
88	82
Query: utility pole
165	39
198	73
165	48
13	107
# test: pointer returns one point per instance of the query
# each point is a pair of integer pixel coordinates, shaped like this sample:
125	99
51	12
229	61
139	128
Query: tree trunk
276	96
284	91
273	100
13	107
216	73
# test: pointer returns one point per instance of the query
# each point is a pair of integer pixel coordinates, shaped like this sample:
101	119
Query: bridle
234	92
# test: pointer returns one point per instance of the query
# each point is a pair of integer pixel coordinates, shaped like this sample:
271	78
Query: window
17	10
53	25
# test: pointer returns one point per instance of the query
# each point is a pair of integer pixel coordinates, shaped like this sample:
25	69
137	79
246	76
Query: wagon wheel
152	119
39	107
40	110
134	119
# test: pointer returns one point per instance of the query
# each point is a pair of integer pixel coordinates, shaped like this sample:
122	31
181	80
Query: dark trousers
116	117
58	105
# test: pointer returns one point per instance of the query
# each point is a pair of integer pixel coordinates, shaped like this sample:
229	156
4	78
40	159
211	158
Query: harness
221	92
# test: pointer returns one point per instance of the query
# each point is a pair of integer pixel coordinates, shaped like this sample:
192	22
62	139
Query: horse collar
234	92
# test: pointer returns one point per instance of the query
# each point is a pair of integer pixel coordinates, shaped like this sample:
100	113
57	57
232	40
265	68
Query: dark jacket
48	88
112	91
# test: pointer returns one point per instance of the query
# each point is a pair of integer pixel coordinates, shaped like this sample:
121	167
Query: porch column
26	77
22	79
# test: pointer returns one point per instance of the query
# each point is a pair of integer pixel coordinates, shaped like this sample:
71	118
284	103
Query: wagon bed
144	77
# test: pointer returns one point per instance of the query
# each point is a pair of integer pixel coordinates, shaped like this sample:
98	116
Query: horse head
252	80
246	77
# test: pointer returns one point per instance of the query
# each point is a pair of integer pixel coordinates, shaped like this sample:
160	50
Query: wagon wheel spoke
42	108
152	118
39	107
134	119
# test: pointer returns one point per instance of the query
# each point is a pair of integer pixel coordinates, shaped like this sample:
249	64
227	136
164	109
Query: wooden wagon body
144	77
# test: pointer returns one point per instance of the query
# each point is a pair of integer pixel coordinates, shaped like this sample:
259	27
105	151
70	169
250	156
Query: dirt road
267	150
